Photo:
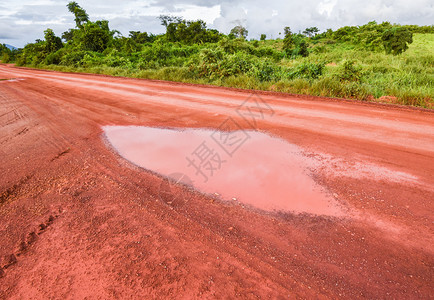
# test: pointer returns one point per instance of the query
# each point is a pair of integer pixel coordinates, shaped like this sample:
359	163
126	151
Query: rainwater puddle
247	166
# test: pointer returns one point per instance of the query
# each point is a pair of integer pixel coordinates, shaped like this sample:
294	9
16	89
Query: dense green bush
396	40
349	72
307	70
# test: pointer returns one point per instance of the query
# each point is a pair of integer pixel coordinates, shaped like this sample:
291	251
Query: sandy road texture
77	220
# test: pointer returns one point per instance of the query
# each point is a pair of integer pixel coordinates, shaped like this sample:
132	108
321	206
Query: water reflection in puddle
251	167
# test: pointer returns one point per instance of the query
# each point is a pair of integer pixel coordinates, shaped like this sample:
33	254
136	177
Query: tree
68	35
345	33
294	44
300	46
191	32
311	31
329	33
95	36
33	53
80	14
140	37
263	37
396	40
5	53
90	36
239	32
288	40
5	58
52	42
166	20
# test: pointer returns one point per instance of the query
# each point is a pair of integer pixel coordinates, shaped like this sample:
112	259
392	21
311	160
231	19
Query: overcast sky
23	21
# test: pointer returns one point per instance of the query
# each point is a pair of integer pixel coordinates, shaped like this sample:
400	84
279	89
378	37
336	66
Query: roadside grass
331	70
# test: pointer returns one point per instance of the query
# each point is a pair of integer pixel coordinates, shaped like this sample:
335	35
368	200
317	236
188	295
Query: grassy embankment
404	79
332	69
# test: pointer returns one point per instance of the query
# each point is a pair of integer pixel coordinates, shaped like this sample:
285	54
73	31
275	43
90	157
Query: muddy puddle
250	167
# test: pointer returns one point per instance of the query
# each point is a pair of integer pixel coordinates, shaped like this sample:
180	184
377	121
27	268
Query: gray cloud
275	15
26	21
167	3
136	23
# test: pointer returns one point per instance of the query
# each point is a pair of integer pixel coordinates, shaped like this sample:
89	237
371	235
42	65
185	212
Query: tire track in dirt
31	238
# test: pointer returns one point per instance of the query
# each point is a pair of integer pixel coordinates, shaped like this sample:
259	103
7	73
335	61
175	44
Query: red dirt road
78	221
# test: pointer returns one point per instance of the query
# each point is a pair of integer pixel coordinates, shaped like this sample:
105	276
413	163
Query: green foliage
80	14
5	57
52	42
52	59
300	46
367	36
166	20
376	37
295	44
94	36
333	87
344	34
396	40
216	64
232	46
263	37
73	58
68	35
3	48
32	54
349	72
190	32
311	31
288	41
89	36
141	37
239	32
419	29
307	70
165	54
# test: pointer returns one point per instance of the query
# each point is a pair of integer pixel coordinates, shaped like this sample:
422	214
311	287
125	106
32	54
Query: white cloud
194	12
326	7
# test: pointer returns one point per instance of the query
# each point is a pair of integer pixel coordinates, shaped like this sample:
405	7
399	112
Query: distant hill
10	47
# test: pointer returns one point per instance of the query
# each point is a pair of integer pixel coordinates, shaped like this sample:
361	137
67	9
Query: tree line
96	36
